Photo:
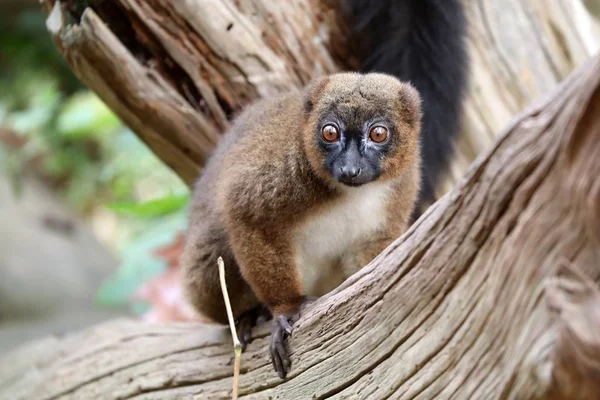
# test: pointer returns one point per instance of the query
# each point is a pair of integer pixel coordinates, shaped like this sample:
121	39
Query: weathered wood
191	65
520	49
492	293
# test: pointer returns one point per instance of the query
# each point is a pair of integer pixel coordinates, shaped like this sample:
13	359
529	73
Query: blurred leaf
152	208
37	109
31	119
122	186
12	165
85	115
139	263
164	293
83	187
82	151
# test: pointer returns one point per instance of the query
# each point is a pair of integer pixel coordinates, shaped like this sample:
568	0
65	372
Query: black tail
421	41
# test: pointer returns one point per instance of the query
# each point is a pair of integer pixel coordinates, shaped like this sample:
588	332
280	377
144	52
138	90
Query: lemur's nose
349	172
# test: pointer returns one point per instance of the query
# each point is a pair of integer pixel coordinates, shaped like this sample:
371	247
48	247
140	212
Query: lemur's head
361	127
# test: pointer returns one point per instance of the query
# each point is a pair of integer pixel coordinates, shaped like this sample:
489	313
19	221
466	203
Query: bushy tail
421	41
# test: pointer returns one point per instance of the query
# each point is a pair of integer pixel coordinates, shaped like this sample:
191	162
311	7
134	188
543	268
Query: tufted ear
313	91
410	103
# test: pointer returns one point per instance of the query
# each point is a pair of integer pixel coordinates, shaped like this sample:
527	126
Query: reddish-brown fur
266	179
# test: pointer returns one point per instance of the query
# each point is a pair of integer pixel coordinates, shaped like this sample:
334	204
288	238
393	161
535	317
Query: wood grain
193	64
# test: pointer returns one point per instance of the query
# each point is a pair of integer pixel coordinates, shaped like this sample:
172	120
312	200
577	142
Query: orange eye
330	133
378	134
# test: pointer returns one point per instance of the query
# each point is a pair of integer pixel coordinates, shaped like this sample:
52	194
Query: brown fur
267	178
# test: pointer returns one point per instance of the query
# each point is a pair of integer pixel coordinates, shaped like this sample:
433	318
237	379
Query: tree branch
190	66
177	72
474	301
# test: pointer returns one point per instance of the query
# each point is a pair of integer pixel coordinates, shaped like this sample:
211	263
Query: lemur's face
361	128
354	148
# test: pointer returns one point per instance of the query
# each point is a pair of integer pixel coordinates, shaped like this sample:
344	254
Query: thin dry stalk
236	342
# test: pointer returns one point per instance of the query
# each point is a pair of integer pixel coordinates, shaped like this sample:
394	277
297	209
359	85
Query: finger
276	360
281	367
283	355
279	345
272	348
242	334
283	322
281	373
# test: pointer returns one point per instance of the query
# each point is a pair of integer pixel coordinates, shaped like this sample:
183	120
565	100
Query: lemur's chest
322	239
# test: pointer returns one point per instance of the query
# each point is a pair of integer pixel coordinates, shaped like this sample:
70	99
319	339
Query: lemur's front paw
282	328
247	321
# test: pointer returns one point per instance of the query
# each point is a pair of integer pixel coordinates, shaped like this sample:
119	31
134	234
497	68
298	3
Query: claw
285	324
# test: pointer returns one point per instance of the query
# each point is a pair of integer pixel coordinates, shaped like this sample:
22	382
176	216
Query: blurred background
87	213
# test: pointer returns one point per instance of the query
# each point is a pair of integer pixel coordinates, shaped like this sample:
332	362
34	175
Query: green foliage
71	137
12	166
151	208
138	263
84	115
67	136
28	51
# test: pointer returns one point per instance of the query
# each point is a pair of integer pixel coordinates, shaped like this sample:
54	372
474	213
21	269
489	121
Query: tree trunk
491	294
176	72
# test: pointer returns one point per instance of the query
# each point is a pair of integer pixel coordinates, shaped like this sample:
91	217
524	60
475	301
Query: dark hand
247	321
281	329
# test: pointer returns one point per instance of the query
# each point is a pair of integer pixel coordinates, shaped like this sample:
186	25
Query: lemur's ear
313	92
410	103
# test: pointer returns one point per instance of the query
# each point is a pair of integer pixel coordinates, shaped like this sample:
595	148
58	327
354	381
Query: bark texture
190	65
492	293
176	72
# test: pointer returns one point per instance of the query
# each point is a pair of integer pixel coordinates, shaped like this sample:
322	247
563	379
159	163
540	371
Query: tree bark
491	294
176	72
190	66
